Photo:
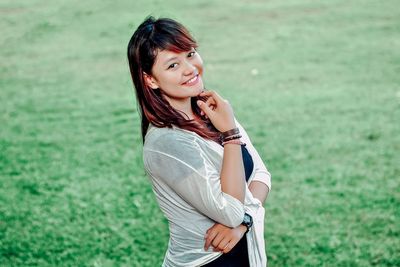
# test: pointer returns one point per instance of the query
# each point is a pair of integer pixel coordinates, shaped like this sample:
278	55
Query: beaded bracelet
234	141
232	137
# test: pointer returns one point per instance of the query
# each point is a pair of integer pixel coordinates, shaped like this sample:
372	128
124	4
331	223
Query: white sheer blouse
184	170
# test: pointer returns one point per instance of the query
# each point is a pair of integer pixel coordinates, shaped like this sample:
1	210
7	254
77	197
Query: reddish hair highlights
150	37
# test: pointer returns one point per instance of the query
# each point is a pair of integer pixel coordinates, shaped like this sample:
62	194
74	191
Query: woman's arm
221	116
260	184
232	172
259	190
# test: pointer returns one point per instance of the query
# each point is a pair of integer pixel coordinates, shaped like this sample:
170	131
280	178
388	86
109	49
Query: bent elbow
234	221
233	212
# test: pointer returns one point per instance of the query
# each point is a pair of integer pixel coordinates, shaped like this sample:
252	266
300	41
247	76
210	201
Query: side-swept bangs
165	34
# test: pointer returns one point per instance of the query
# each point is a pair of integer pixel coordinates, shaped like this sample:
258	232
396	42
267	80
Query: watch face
248	220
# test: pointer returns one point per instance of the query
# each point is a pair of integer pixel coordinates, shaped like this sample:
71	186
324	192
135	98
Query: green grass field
315	83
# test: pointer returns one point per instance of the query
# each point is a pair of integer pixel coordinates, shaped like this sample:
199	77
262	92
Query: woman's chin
197	90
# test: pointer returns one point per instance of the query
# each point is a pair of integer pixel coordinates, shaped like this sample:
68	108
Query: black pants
237	257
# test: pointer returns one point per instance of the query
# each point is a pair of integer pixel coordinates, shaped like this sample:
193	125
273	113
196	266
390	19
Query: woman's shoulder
178	145
167	137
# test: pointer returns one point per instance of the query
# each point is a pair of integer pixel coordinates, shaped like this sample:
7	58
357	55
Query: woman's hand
223	238
218	110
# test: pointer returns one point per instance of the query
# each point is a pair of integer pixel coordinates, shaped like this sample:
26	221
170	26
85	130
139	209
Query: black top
247	162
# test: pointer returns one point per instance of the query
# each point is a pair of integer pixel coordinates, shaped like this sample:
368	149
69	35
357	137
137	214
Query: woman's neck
183	105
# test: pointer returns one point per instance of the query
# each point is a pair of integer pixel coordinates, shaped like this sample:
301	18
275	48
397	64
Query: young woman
208	179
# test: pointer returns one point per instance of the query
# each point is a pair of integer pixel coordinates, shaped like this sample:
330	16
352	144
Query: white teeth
192	80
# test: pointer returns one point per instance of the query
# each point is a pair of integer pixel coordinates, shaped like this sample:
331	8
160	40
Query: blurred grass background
315	83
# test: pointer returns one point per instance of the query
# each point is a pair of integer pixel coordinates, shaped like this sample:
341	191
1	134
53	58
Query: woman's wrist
231	136
228	127
242	228
230	132
233	142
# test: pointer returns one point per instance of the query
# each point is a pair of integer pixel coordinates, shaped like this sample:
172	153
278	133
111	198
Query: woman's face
178	75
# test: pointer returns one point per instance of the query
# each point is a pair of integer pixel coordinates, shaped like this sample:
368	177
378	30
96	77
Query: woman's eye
191	54
173	65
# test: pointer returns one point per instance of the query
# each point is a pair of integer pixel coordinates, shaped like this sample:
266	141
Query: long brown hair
150	37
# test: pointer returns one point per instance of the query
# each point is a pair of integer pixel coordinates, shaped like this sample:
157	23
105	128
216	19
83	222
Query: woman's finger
210	237
231	244
223	244
210	101
205	108
218	99
217	240
227	248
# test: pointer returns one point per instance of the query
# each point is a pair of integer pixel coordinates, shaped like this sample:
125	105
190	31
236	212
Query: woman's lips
192	81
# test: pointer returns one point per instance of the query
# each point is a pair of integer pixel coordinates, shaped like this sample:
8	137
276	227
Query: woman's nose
189	68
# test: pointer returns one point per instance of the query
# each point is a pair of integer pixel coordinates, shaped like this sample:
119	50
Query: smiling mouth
192	81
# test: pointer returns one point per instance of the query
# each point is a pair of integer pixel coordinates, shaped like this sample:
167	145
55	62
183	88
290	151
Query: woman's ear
150	81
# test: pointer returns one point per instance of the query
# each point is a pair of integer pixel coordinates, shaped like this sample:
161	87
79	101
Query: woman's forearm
259	190
232	172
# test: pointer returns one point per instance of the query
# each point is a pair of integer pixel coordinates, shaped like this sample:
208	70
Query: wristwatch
247	221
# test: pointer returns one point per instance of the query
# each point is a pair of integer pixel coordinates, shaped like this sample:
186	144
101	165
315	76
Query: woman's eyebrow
170	59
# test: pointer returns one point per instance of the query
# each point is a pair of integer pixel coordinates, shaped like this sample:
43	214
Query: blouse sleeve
261	172
181	163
